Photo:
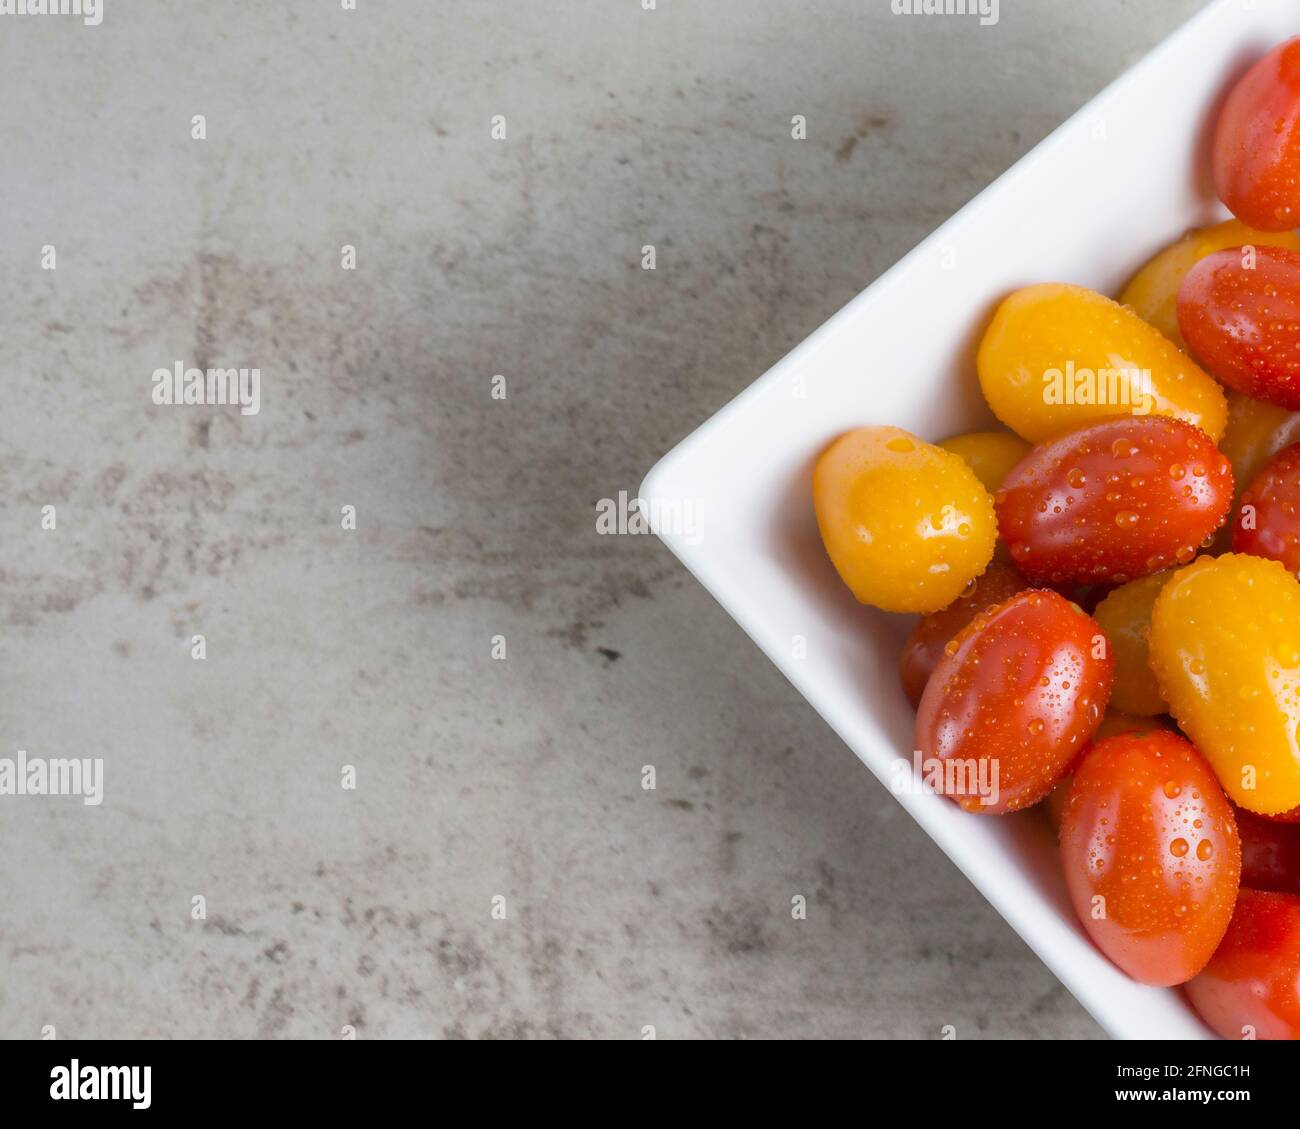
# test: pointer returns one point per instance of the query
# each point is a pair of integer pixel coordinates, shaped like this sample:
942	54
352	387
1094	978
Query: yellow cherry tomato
1056	357
1153	291
1125	617
1225	648
1256	432
990	454
907	525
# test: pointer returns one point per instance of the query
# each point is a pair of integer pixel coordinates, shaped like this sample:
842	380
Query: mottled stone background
476	517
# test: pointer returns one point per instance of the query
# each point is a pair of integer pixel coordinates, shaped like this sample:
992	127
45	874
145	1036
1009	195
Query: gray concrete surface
325	647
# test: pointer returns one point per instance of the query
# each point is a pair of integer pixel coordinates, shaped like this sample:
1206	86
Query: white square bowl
1119	180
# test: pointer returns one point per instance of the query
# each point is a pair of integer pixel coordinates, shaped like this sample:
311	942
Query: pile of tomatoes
1108	589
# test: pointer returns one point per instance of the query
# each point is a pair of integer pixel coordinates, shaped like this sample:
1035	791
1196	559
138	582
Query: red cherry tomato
1111	725
1113	501
1270	853
1151	853
924	647
1257	143
1251	989
1015	697
1268	518
1241	317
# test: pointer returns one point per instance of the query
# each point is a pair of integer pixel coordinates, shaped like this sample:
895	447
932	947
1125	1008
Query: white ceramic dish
1121	178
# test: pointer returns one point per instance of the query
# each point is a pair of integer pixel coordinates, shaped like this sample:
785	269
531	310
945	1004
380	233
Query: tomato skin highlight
1113	501
924	647
1018	693
1242	321
1268	517
1147	829
1270	853
1252	985
1257	143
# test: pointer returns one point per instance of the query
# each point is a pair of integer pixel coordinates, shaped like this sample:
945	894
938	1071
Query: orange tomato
1014	699
1151	854
1111	725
